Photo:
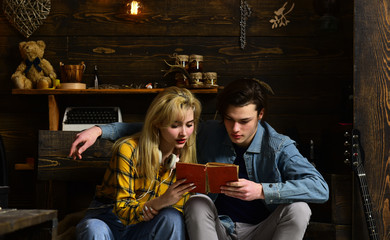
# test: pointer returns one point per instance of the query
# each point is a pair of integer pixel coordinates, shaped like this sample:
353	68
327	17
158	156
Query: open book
207	177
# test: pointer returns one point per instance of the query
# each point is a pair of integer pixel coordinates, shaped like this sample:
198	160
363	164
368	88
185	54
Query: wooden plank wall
371	110
308	66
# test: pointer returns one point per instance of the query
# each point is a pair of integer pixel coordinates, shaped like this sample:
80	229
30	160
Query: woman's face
177	133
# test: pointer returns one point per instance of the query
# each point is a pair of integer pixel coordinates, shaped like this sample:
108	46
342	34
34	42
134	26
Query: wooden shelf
54	115
103	91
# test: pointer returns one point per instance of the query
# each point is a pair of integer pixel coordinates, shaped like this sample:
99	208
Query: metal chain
245	14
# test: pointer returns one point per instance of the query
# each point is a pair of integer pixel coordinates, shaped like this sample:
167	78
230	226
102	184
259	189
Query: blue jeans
102	223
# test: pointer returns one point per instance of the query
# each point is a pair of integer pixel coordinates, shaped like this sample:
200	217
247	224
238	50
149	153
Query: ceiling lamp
132	8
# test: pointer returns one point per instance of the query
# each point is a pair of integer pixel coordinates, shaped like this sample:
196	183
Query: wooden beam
54	115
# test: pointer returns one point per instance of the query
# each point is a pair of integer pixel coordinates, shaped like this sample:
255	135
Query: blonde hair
164	110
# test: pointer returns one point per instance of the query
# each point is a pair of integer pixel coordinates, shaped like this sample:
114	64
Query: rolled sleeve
271	192
114	131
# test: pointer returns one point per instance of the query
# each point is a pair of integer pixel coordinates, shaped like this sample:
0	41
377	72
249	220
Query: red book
209	177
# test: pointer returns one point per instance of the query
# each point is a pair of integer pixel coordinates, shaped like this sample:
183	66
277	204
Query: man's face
241	123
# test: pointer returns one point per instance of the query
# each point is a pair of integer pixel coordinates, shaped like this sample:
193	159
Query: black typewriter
80	118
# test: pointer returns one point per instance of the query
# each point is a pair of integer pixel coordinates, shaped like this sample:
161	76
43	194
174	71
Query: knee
302	209
299	213
171	217
93	229
168	224
198	204
199	209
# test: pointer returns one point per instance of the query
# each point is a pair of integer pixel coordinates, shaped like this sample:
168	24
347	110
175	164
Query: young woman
140	197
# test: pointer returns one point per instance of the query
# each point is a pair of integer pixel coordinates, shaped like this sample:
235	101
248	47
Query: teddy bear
34	71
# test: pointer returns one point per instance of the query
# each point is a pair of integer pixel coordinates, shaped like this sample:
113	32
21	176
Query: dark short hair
242	92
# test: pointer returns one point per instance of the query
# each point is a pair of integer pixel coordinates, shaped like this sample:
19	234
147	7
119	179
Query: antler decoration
245	14
176	68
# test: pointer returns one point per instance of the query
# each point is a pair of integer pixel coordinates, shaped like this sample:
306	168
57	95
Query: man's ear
261	114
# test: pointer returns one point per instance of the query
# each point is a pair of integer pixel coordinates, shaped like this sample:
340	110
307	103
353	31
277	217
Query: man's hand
244	190
83	141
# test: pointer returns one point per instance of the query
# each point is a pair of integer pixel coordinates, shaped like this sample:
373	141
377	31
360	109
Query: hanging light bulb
132	7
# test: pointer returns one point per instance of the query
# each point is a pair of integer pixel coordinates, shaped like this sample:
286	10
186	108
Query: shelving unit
104	91
54	114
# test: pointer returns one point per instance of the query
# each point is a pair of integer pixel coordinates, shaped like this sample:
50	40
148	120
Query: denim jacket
271	159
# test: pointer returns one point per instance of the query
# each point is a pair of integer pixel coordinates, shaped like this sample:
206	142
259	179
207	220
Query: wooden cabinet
53	93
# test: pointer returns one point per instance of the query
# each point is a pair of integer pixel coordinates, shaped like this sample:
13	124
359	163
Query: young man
275	181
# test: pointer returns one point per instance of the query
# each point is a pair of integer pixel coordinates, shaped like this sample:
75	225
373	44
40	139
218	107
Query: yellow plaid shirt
130	191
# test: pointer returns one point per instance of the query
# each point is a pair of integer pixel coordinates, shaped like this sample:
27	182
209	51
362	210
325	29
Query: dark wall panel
308	66
371	111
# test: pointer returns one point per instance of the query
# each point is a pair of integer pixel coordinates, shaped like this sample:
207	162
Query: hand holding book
209	177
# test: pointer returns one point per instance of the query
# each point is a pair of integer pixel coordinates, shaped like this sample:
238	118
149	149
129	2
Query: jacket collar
255	145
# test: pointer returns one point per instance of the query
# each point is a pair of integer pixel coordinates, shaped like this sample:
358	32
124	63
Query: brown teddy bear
34	71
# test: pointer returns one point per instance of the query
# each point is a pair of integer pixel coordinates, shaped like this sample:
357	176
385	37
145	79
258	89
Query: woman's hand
149	213
176	191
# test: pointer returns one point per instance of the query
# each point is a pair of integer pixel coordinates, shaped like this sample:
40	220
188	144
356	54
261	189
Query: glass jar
196	79
195	63
182	60
181	79
210	79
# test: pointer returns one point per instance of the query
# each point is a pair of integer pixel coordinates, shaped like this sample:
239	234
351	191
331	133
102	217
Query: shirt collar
256	142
